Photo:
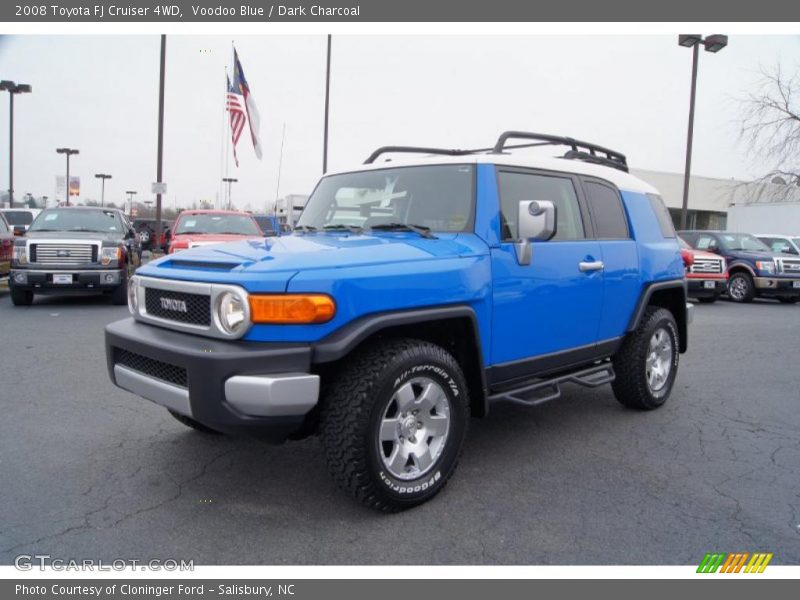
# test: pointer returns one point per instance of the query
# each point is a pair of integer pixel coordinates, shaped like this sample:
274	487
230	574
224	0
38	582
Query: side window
515	187
607	212
705	242
3	227
663	216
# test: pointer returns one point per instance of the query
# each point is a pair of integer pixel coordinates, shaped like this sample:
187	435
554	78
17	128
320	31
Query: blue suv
412	295
755	270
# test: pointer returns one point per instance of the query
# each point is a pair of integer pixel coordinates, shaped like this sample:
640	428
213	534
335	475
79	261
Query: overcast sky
100	94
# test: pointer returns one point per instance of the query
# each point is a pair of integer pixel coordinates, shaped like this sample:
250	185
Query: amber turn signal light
291	308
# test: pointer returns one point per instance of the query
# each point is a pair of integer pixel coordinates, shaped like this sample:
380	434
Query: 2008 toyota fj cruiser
412	296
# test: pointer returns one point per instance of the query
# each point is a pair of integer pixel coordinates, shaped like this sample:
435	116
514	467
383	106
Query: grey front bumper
260	389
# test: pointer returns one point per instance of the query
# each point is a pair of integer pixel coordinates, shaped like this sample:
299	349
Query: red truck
203	227
706	273
6	247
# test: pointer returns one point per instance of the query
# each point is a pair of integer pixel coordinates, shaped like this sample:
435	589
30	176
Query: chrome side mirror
536	220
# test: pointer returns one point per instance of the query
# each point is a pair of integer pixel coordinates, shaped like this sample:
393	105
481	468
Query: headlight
765	265
109	254
231	312
20	255
133	295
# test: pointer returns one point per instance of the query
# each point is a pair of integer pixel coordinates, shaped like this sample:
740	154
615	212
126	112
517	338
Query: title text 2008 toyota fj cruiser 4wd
412	296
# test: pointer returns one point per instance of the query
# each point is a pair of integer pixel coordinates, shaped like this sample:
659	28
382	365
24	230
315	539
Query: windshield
266	224
743	242
683	244
796	241
18	217
436	197
209	223
76	219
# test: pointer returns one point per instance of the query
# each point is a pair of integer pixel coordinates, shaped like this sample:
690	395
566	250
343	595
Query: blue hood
273	261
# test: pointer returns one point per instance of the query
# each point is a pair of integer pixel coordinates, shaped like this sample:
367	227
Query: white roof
624	181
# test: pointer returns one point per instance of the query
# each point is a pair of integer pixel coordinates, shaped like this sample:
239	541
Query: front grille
153	368
706	265
789	266
63	254
169	305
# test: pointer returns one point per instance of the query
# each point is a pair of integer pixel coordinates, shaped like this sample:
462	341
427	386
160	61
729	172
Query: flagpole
223	143
327	106
280	165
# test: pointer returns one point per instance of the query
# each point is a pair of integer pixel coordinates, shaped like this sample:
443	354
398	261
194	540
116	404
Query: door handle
596	265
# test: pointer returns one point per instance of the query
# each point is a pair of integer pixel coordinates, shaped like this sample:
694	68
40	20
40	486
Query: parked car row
754	268
69	249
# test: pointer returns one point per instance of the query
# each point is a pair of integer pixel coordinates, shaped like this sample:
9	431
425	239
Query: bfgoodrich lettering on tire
393	423
647	362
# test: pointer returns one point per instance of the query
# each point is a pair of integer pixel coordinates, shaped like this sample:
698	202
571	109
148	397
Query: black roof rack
584	151
415	150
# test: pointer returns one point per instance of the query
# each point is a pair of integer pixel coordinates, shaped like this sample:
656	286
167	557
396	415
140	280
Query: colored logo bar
736	562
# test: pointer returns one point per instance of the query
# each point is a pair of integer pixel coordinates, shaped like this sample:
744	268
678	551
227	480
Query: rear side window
515	187
663	216
606	207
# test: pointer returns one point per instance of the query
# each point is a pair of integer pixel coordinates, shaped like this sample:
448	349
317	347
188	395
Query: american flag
237	116
242	87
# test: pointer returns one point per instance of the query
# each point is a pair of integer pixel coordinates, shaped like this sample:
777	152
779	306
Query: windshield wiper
308	228
84	229
418	229
340	227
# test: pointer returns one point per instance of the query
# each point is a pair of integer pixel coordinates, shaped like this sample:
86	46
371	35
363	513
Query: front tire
741	287
647	363
393	423
120	294
21	297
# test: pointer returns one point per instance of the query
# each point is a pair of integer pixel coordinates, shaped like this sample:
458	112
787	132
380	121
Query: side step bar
529	394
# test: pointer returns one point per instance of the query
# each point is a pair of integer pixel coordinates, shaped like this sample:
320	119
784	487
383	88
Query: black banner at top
366	11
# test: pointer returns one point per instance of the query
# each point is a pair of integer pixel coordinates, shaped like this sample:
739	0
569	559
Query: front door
554	303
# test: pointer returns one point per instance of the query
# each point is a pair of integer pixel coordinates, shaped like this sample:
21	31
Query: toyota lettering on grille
173	304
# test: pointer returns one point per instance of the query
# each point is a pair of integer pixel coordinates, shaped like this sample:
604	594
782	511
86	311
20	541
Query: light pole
327	107
713	43
69	152
229	181
102	177
12	89
131	194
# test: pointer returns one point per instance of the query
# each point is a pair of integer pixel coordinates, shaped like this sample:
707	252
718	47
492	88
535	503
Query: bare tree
770	126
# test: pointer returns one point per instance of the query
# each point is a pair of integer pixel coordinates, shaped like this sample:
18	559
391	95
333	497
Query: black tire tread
346	411
629	386
21	297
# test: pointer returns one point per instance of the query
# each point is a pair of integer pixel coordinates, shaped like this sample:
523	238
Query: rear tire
647	363
741	287
189	422
393	423
21	297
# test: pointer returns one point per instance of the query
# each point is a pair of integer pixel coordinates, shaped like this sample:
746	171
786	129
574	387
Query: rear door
620	257
550	305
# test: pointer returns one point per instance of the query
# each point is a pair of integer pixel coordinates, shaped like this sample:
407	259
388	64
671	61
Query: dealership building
729	203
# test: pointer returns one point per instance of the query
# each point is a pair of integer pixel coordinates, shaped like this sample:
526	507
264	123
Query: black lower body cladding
203	365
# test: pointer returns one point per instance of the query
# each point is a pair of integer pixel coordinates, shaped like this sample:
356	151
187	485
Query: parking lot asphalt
90	471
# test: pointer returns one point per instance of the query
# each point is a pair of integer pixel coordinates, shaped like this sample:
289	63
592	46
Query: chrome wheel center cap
408	427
